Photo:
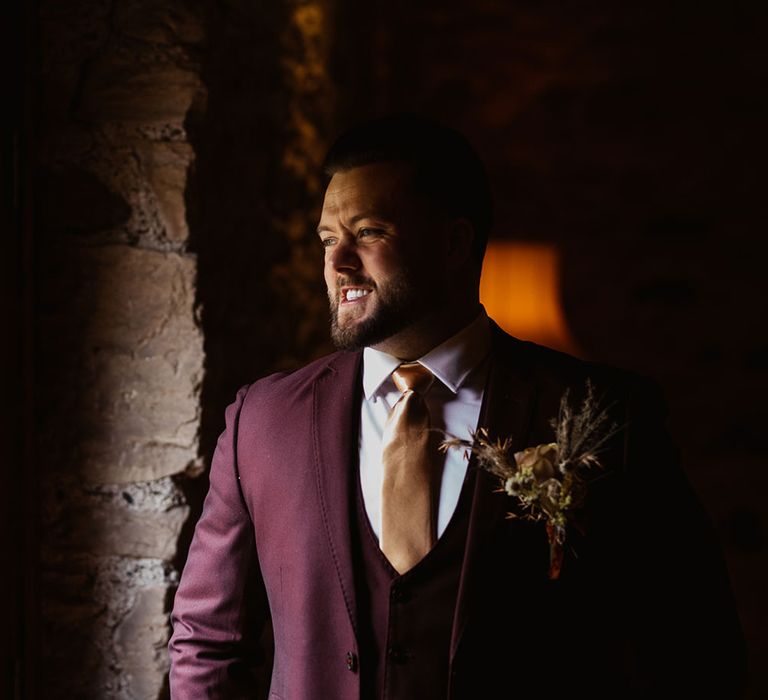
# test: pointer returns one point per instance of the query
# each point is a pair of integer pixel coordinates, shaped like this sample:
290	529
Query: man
390	572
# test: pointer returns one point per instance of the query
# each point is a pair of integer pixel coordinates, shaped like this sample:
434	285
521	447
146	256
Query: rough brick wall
177	182
119	343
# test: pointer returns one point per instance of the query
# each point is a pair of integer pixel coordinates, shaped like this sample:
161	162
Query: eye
327	242
367	232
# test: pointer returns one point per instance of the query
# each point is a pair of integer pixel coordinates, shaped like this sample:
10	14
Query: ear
460	233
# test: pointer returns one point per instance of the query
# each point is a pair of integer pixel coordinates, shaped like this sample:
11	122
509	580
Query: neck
419	338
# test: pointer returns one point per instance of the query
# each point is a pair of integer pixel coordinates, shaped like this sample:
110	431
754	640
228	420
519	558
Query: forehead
381	188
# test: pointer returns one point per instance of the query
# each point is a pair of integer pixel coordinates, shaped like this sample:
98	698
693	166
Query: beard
397	304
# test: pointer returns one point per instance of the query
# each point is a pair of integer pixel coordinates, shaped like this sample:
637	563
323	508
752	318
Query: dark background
630	135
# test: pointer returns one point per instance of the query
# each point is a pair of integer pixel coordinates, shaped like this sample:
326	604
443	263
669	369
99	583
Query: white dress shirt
460	366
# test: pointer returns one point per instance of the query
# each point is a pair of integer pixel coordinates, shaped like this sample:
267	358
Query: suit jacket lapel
335	420
506	411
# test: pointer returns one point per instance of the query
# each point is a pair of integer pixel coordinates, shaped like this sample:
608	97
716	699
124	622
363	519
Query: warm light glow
520	289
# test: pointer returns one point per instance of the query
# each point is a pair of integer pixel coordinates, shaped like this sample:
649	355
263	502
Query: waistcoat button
399	594
397	655
351	661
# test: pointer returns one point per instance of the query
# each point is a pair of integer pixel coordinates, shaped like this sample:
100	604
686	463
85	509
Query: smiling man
389	568
400	277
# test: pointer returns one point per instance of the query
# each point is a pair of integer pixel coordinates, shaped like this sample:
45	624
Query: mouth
354	295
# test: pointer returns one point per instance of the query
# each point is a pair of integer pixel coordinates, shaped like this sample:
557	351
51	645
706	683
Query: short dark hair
445	167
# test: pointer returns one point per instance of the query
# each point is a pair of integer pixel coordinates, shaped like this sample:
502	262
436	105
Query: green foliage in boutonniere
548	480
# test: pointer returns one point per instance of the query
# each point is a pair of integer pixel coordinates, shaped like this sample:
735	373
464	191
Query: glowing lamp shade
520	289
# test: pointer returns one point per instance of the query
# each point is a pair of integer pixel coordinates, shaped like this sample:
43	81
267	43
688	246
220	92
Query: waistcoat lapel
508	403
335	421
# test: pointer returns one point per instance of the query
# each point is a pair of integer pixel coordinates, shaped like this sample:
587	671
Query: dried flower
548	479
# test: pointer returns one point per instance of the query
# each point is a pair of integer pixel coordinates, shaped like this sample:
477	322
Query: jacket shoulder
555	371
285	388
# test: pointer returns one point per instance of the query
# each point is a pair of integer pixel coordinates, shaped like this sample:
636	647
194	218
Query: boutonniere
548	481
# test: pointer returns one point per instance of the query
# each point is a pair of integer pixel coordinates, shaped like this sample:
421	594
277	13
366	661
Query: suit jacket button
397	655
351	661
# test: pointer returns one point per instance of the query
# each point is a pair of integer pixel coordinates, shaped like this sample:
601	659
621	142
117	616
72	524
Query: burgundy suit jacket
642	608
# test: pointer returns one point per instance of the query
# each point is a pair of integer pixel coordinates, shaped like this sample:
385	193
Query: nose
343	255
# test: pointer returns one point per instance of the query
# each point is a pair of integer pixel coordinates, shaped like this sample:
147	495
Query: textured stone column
178	188
119	345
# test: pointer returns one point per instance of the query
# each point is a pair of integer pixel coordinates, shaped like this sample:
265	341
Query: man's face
379	239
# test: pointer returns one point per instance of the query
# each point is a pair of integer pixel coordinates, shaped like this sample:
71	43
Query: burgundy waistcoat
405	621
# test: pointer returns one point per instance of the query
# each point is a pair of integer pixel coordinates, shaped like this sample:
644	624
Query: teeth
356	293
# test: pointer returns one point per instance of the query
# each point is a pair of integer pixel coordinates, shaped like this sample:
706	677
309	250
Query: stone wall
178	184
119	342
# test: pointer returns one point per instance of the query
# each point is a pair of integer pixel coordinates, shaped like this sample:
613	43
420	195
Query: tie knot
413	376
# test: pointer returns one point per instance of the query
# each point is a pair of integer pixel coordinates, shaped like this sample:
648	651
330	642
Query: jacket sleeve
688	636
220	598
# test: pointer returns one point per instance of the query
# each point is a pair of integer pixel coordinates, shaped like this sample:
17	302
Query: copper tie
411	472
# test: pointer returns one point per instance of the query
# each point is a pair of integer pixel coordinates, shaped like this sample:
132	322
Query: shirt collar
451	361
